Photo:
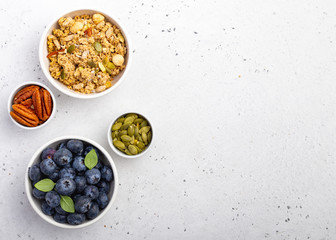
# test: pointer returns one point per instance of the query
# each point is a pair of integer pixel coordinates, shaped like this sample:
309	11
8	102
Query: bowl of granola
85	53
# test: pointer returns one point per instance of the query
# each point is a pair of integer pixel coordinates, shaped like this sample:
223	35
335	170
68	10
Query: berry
103	187
75	146
102	200
60	210
65	186
60	218
48	153
83	204
38	194
46	209
92	176
67	172
91	192
75	218
75	198
53	199
62	157
62	145
80	183
93	211
54	176
34	173
99	164
89	148
78	164
48	166
107	174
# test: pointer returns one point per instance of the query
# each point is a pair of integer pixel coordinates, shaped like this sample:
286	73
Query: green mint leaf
45	185
67	204
91	159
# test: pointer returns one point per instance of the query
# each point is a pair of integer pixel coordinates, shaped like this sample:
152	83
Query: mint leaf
91	159
45	185
67	204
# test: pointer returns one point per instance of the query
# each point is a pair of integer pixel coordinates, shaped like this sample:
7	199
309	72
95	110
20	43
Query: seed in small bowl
131	135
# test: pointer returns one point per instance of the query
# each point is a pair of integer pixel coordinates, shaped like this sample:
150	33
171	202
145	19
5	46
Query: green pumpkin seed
136	131
119	144
92	64
125	125
129	120
139	138
116	126
132	115
98	46
126	138
71	48
128	152
127	144
62	74
123	132
141	145
139	150
145	138
149	136
131	130
133	149
144	123
114	134
144	129
121	120
138	120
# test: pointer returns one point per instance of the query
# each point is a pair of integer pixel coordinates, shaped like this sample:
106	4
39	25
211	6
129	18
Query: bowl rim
72	93
18	88
28	181
118	152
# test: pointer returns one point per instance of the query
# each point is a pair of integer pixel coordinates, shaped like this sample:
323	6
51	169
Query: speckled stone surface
243	98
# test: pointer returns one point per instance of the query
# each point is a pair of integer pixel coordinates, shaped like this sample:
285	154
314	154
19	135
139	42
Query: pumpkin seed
126	138
119	144
98	46
110	65
149	136
116	126
125	126
141	145
136	131
132	115
133	149
71	48
129	120
144	129
121	120
144	137
123	132
128	152
92	63
138	120
131	130
144	123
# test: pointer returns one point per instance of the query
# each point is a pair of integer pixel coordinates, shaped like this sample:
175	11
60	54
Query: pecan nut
24	115
25	93
46	104
37	103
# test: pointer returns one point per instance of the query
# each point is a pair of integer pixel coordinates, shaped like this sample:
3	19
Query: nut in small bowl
71	182
130	135
31	105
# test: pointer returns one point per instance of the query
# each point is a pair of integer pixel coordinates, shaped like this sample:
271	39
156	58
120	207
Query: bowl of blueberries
71	182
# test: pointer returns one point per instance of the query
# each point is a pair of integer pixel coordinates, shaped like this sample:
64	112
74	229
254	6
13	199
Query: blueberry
54	176
83	204
75	146
76	197
99	164
60	210
60	218
48	166
67	172
75	218
80	183
34	173
38	194
62	145
91	192
67	165
92	176
89	148
103	187
46	209
102	200
93	211
53	199
65	186
107	174
62	157
78	164
48	153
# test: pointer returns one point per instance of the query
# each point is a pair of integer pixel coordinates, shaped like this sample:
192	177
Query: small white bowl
117	151
44	61
105	158
11	102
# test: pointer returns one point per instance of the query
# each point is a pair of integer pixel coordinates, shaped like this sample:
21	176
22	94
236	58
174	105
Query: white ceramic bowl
117	151
11	102
104	157
44	61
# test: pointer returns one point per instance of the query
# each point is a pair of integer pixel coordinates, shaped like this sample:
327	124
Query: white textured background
242	95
